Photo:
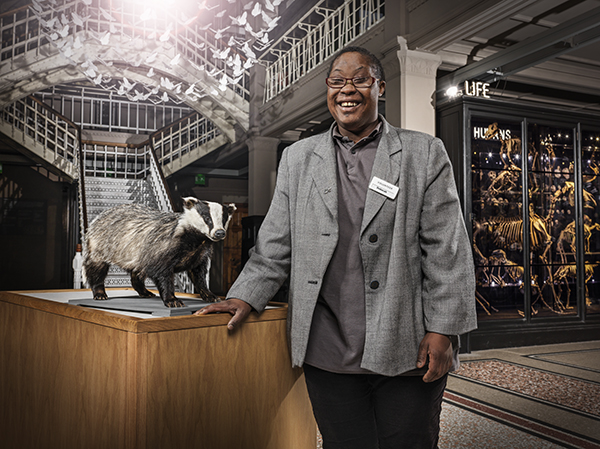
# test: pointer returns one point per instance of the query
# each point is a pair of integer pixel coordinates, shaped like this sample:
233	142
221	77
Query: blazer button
373	238
374	285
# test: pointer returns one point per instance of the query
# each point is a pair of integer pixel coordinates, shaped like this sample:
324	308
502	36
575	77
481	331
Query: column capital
417	62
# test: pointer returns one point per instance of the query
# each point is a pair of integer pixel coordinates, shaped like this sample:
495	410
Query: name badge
384	187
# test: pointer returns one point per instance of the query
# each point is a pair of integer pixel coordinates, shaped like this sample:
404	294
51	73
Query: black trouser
370	411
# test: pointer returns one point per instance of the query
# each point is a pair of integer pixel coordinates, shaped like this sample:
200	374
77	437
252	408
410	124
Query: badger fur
151	244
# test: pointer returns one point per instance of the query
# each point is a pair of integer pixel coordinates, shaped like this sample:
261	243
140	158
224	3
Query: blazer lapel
324	172
386	167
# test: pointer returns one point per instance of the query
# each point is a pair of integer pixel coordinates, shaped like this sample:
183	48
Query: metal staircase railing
157	181
51	137
185	141
83	215
320	33
115	160
44	132
158	184
97	109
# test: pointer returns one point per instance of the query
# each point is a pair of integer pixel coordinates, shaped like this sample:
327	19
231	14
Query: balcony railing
182	137
97	109
115	161
317	35
22	33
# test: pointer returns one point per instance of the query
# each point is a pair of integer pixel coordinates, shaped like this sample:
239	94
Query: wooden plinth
72	377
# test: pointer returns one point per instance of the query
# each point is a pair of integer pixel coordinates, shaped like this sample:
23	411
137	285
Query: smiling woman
355	83
380	268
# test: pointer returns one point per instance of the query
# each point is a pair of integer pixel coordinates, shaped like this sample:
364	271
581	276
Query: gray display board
152	306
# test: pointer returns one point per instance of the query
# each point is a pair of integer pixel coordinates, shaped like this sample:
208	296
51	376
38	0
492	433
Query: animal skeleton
564	272
501	267
509	147
508	231
567	235
547	232
503	182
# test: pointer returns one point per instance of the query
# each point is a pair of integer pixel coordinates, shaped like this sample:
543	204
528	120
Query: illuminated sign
479	132
477	89
200	180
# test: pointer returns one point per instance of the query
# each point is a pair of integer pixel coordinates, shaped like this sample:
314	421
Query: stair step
117	277
116	181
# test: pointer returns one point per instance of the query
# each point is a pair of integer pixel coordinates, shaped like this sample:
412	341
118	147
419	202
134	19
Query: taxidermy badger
149	243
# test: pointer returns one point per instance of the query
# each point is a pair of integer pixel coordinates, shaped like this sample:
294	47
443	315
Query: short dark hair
373	61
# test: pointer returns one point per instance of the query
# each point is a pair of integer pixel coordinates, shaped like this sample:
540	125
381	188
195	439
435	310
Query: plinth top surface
127	311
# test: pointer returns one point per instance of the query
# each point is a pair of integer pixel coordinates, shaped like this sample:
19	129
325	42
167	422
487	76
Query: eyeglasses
338	83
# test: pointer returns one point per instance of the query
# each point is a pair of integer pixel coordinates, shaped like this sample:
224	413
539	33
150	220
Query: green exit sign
200	180
0	168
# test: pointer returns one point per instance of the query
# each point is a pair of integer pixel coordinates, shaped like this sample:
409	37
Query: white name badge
384	187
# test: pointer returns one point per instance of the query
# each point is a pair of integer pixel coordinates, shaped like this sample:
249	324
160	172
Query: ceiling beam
568	36
468	19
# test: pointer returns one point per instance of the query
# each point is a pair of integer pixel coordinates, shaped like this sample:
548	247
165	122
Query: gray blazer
421	260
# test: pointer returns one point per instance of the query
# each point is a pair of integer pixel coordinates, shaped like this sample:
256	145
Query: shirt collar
378	129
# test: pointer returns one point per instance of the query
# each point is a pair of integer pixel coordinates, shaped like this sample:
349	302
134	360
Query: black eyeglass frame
373	79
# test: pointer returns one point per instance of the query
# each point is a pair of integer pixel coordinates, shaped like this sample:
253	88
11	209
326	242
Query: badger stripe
211	219
216	213
191	218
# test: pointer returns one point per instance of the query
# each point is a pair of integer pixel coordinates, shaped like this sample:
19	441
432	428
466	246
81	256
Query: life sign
477	89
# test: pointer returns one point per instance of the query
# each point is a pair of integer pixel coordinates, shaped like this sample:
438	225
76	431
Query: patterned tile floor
460	428
540	397
529	397
566	391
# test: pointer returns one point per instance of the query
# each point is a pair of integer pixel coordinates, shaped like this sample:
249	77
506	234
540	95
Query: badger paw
100	294
174	302
207	296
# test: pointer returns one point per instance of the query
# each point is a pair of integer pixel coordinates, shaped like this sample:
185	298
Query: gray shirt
337	334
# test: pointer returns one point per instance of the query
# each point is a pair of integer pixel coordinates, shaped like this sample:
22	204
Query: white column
262	173
417	88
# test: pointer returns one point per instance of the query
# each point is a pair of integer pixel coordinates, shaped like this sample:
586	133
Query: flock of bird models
95	53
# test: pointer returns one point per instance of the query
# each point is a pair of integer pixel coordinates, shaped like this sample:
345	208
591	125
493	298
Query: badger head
211	219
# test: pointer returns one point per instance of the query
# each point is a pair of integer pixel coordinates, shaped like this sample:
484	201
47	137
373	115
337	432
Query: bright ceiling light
452	91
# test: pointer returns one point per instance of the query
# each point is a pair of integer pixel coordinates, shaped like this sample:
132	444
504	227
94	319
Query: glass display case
530	188
590	157
497	211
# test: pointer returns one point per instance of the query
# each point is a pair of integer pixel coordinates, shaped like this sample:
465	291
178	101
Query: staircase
43	133
109	174
104	193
